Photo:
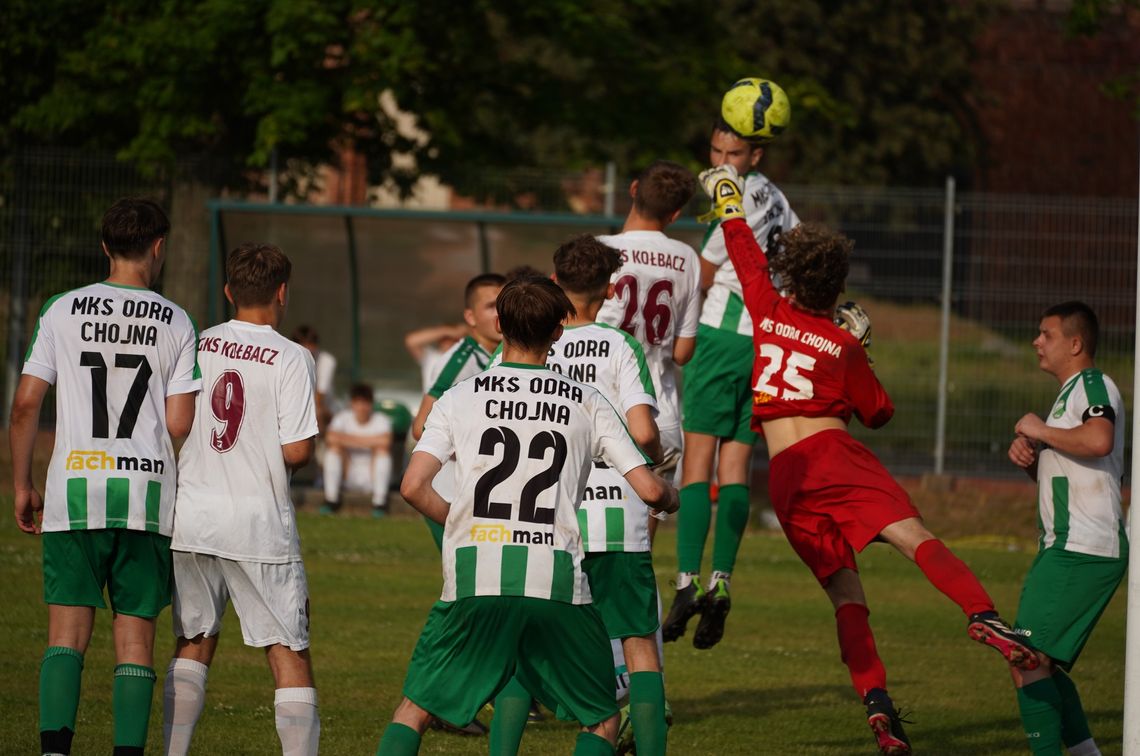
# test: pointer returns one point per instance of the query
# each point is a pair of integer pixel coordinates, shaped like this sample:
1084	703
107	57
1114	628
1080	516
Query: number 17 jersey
114	354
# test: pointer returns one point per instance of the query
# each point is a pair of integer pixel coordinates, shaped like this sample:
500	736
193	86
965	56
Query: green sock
130	701
60	673
647	712
731	520
589	744
398	740
436	532
1074	723
693	526
512	706
1040	705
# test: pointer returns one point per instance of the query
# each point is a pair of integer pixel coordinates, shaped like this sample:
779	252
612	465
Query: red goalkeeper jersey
806	366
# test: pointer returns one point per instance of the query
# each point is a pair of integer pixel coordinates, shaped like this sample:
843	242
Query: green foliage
878	89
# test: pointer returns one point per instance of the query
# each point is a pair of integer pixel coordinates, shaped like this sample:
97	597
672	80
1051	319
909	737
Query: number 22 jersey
258	392
114	353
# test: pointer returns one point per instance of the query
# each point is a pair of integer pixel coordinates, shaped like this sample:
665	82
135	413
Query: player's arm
708	271
644	430
298	453
22	427
180	414
416	487
683	348
1092	438
417	342
421	416
377	442
654	490
871	402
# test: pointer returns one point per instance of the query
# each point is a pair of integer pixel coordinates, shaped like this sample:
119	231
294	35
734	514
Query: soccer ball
756	109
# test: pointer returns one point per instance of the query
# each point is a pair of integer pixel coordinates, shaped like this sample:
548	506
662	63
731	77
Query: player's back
233	488
523	438
115	353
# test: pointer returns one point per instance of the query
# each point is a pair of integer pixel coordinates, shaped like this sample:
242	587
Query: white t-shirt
114	353
523	439
657	298
769	215
326	371
360	460
233	486
1079	498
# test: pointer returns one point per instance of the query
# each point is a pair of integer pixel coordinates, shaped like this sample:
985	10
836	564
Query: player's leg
139	588
381	478
333	473
693	522
199	603
294	700
734	466
61	671
402	735
646	694
952	577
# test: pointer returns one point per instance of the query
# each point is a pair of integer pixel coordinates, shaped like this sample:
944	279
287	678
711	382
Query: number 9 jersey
258	393
114	354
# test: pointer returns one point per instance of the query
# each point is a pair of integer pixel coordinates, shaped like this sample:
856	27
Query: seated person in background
359	441
306	336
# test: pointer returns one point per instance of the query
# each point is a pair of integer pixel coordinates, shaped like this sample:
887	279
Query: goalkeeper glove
855	320
722	185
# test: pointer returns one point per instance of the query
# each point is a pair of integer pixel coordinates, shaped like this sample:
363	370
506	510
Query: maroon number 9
227	402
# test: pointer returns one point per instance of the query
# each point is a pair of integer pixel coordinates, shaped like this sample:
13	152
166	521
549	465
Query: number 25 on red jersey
788	365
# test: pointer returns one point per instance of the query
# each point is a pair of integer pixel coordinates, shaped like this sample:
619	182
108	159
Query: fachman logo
503	534
83	460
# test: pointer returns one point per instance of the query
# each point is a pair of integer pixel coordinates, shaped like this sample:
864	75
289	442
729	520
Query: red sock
857	649
950	575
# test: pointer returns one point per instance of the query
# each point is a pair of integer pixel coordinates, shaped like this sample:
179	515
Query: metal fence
364	277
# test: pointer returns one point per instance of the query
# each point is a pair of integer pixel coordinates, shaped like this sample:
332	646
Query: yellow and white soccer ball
757	109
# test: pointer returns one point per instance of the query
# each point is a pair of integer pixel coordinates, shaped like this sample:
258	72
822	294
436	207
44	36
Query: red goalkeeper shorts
833	497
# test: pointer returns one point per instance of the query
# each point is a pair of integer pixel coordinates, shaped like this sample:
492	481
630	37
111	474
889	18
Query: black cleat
686	603
886	722
473	728
714	612
990	629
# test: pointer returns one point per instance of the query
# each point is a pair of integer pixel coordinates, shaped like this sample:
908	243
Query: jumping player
613	521
1076	455
123	360
717	404
235	533
830	493
657	291
515	599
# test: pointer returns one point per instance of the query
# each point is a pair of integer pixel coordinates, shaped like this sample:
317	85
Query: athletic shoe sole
674	626
889	745
1017	654
711	627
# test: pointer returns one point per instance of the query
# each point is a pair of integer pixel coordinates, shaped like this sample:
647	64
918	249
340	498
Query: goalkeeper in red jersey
830	493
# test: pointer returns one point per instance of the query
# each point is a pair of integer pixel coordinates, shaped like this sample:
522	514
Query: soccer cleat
713	614
886	722
990	629
472	728
535	714
329	507
686	602
379	512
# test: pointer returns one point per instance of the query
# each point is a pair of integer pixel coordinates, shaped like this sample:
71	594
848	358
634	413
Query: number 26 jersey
114	354
258	393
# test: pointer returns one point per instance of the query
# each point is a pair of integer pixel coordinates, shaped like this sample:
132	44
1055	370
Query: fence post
944	330
1132	622
354	294
20	238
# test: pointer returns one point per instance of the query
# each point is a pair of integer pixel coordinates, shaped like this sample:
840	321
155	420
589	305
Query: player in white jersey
359	456
427	345
1076	455
235	533
466	358
307	336
612	520
717	404
122	359
657	292
515	599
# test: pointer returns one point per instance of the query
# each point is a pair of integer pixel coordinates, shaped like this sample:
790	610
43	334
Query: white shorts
271	600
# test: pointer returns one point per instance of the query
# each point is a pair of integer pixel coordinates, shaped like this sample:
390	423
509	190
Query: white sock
717	575
183	696
298	725
685	578
333	472
381	478
1084	748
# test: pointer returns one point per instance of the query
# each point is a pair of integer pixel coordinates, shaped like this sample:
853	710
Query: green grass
774	685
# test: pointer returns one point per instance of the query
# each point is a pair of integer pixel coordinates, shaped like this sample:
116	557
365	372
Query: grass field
774	685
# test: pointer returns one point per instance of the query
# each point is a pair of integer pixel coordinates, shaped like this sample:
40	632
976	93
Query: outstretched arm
22	428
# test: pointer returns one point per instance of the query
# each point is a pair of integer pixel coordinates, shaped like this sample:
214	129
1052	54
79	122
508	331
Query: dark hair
478	282
663	188
306	334
813	264
583	265
132	225
254	272
361	391
530	310
1077	319
719	124
521	270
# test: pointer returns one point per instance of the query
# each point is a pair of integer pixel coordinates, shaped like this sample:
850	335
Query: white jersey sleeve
612	442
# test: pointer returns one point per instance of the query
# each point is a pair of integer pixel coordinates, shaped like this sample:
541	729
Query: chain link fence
365	277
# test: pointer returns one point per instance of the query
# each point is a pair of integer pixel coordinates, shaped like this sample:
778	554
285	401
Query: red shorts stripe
833	497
